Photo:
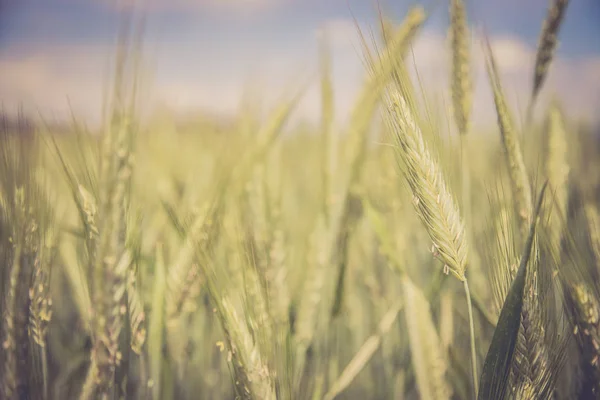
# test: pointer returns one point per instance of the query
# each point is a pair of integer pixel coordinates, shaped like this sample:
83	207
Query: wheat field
247	262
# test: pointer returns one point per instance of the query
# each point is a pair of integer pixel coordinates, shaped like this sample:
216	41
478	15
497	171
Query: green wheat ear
497	365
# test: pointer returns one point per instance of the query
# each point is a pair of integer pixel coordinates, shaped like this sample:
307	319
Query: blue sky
203	53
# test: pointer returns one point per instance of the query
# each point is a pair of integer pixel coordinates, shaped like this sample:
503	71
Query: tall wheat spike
433	202
461	88
519	179
547	45
383	70
112	261
332	231
460	78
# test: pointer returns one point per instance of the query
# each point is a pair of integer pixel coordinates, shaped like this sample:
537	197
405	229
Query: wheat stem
472	338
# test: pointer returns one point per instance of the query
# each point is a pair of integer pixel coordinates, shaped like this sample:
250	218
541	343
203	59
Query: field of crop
239	262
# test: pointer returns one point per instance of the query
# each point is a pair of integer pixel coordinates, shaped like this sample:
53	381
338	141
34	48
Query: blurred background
205	57
202	255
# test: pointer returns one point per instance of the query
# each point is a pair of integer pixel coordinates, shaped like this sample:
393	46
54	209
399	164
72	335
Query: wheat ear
432	200
519	179
460	78
547	44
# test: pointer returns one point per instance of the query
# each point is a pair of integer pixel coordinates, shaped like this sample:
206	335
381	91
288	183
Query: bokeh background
205	56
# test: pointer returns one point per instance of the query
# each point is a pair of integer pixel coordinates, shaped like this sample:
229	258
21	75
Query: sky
209	55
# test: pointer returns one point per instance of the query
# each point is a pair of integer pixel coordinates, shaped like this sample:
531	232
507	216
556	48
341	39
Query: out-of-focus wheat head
460	79
547	43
